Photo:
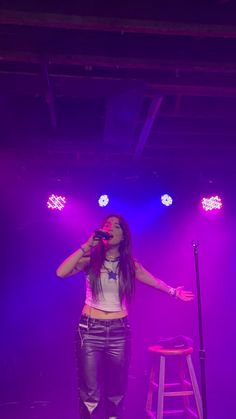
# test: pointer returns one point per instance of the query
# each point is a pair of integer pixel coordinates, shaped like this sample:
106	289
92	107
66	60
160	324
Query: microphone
100	234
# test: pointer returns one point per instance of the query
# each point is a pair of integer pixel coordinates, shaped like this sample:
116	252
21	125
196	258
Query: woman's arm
147	278
78	261
73	264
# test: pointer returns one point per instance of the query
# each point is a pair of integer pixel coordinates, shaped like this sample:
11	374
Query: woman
104	331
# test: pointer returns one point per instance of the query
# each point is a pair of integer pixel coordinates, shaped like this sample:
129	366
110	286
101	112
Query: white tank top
108	299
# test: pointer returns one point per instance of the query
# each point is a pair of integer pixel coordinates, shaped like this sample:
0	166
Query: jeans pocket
83	329
121	330
125	324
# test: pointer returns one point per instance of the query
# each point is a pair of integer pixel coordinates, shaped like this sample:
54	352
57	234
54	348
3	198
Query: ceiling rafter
154	87
52	20
118	62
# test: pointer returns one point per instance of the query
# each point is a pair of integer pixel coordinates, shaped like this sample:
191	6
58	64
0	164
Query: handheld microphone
100	234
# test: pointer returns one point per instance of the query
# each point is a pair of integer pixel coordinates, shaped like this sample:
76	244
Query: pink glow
212	203
56	202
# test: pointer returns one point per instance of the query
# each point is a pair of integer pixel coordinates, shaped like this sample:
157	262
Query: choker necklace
113	260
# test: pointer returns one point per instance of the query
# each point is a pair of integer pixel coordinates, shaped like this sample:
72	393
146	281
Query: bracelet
84	251
172	292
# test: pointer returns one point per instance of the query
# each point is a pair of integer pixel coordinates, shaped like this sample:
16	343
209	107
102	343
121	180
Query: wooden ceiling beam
92	23
154	88
117	63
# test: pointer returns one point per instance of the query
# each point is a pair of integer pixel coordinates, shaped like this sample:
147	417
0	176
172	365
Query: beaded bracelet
172	292
84	251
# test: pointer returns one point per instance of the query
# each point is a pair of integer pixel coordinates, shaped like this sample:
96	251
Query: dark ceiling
151	84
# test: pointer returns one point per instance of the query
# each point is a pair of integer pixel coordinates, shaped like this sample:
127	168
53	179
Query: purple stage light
212	203
56	202
166	200
103	200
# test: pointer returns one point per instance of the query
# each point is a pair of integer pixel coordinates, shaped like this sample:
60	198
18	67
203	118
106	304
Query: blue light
103	200
166	200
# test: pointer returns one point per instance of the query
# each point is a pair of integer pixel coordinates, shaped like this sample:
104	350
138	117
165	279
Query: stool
185	388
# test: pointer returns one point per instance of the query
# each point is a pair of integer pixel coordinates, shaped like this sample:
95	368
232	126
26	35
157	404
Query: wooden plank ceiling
152	86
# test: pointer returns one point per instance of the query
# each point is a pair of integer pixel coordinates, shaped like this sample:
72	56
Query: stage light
56	202
103	200
212	203
166	200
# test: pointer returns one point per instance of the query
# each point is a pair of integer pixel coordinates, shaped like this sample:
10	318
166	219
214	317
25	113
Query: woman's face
112	226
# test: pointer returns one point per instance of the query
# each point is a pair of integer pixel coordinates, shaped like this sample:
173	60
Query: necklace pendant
112	275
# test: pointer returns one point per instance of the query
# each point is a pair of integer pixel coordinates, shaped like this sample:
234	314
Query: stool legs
184	387
151	386
195	387
160	402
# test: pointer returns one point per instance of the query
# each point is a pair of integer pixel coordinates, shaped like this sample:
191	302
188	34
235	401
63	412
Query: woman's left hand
184	295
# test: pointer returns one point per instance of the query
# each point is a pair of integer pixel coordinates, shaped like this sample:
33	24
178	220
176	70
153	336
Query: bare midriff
104	315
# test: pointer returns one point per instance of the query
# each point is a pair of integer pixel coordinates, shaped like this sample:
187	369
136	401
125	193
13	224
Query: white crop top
108	299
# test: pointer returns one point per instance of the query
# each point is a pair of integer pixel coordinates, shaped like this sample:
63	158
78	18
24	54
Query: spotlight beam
152	112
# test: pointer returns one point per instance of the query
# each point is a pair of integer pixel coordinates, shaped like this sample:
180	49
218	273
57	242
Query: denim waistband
92	320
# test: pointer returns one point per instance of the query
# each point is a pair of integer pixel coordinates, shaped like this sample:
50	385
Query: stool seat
157	349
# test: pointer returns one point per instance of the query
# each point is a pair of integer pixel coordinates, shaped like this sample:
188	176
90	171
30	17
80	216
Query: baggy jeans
103	363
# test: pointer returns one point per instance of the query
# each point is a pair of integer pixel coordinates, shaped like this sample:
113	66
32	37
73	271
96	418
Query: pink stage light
212	203
56	202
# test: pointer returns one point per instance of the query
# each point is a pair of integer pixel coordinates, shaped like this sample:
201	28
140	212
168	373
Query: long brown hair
126	266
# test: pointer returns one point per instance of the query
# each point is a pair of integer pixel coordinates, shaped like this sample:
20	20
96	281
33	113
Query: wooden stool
185	388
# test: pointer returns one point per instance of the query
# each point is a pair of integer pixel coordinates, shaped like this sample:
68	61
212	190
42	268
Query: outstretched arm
147	278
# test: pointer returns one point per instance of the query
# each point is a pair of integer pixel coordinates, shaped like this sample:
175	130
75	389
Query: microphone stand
195	245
